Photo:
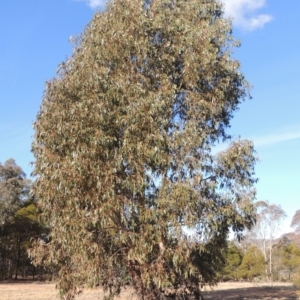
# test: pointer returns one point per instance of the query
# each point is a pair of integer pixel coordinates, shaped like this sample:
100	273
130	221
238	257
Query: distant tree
14	189
14	192
290	259
266	232
296	222
296	225
123	147
295	237
25	227
233	260
278	270
253	264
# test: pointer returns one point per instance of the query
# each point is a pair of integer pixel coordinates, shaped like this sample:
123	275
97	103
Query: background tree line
19	223
263	255
249	264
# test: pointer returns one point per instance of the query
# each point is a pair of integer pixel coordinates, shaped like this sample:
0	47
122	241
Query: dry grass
47	291
224	291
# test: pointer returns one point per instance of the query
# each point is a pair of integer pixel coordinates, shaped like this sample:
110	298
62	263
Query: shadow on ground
252	293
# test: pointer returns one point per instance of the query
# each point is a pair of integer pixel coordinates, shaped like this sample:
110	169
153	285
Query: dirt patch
224	291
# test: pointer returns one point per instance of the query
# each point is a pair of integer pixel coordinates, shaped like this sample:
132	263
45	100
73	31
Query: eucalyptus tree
266	232
123	147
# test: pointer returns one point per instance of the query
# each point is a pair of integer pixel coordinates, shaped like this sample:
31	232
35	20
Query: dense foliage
233	259
123	147
253	264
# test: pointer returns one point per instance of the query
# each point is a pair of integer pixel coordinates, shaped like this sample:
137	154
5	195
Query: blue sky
34	40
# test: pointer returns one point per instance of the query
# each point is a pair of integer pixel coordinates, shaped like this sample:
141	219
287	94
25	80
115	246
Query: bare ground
224	291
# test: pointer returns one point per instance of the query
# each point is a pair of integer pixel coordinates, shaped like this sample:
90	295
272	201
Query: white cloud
243	13
94	3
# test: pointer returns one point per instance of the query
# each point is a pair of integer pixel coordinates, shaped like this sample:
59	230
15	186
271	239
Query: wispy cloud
284	135
94	3
244	13
276	138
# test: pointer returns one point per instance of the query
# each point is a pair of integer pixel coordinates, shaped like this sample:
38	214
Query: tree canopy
14	188
123	147
296	221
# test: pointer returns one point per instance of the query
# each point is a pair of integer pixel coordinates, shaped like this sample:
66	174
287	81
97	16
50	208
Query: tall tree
265	234
123	147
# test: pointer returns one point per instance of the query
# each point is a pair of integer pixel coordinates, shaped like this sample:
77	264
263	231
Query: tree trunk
33	272
18	259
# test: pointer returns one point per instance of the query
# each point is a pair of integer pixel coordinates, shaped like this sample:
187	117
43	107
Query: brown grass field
224	291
